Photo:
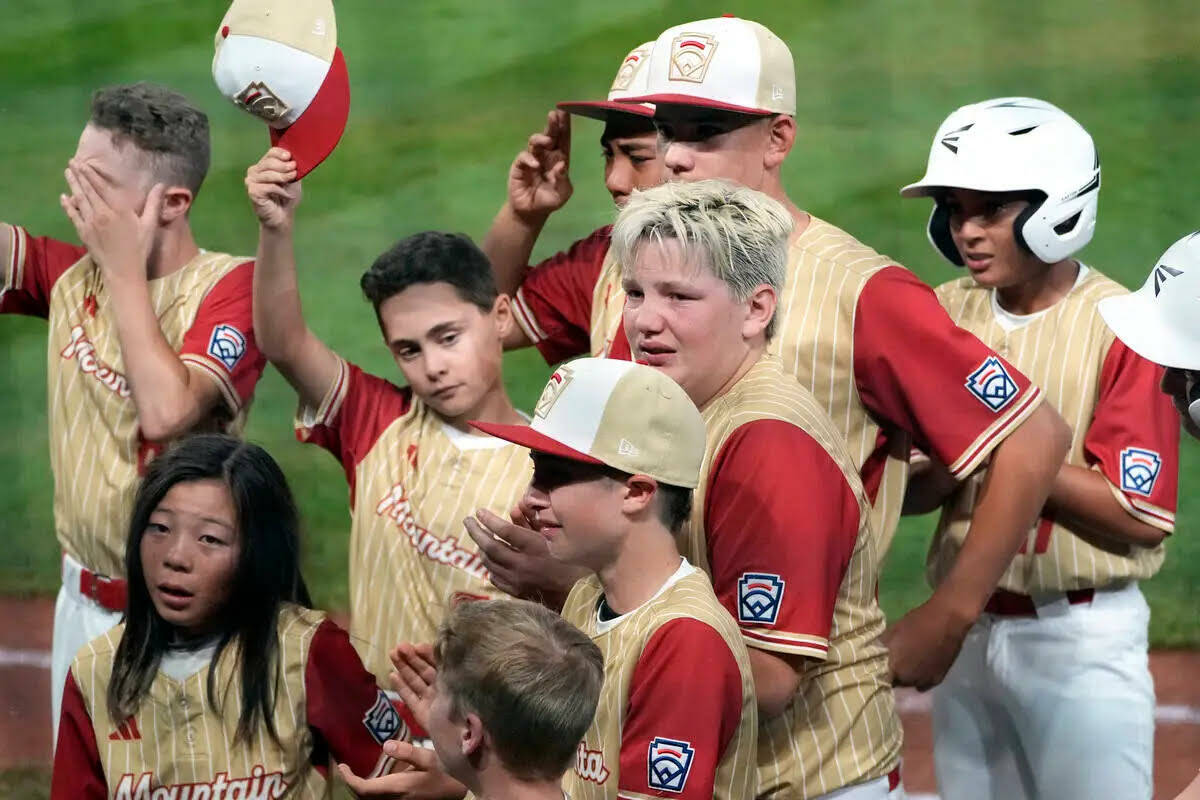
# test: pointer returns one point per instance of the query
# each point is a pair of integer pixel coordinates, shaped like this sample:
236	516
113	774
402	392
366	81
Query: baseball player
1051	695
1158	322
149	336
862	333
415	467
617	450
539	184
220	682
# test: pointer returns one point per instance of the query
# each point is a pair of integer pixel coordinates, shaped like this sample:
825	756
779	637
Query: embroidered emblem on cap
691	53
259	100
633	62
554	389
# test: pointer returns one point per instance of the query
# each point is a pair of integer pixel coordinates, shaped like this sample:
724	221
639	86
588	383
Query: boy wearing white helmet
1060	652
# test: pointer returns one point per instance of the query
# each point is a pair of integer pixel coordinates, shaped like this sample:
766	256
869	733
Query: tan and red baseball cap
726	63
630	82
279	60
618	413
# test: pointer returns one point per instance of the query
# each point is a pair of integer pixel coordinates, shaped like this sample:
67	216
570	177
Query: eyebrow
436	330
214	520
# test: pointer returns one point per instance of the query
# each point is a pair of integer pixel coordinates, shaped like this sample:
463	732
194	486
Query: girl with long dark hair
221	675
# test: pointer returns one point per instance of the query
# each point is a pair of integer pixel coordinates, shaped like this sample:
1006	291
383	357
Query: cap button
729	16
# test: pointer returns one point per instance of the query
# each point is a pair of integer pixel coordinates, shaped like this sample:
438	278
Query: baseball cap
279	60
624	415
726	63
630	81
1161	321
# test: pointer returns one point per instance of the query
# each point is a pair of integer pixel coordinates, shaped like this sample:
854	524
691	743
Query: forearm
509	244
1084	498
776	680
278	315
929	484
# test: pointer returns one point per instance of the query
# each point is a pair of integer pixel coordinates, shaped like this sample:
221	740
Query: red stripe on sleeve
78	773
35	264
557	293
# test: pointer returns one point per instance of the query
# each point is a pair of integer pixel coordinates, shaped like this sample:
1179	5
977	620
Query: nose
434	362
535	499
967	228
177	555
677	158
647	317
618	179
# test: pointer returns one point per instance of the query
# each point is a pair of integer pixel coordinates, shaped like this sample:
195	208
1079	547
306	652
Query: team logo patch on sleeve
1139	470
227	345
759	595
669	762
382	720
991	384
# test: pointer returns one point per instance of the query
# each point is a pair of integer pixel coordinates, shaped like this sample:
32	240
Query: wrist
533	219
959	609
281	230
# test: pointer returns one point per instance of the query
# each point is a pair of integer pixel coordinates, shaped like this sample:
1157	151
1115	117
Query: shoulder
298	625
582	601
98	654
1096	286
833	248
958	287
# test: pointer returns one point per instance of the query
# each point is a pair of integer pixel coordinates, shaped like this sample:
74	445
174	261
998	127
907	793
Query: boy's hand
273	189
539	182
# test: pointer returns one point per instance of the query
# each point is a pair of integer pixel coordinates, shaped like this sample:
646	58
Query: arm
929	484
1083	498
286	340
78	773
29	268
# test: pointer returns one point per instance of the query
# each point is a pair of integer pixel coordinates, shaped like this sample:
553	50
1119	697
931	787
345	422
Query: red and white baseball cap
630	82
618	413
726	63
279	60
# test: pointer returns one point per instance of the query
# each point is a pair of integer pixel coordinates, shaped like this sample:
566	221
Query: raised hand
118	238
519	559
415	678
539	181
273	189
418	776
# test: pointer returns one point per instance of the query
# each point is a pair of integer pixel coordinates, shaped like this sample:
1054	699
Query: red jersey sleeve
29	268
78	773
919	371
781	522
349	715
357	408
671	748
553	305
1134	437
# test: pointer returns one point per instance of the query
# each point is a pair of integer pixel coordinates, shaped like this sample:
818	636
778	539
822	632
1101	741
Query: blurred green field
444	94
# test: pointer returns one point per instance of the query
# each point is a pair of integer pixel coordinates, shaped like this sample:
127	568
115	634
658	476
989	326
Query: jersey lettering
589	765
396	506
82	350
261	785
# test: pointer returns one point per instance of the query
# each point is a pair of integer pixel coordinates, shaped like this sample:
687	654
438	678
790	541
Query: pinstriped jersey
177	745
782	523
96	448
1121	424
413	480
677	715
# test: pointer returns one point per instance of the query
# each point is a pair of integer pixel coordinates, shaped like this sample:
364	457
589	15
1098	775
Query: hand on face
118	238
519	560
539	182
273	189
417	775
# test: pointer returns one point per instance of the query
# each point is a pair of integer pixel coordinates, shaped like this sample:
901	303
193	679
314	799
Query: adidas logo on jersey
589	765
261	785
127	731
81	349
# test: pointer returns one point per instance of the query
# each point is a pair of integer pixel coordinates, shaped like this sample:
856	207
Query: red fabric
370	405
777	503
45	261
558	294
340	694
911	365
1131	411
228	303
78	773
686	687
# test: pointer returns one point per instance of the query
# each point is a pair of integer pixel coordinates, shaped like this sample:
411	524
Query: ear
502	313
781	135
760	310
176	203
638	495
473	736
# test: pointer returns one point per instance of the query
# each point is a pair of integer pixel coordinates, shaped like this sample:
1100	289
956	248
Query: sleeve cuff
526	319
308	417
14	268
1139	509
783	642
986	442
216	372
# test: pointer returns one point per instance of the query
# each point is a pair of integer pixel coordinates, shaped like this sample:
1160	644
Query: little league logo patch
227	345
669	762
691	53
759	595
382	720
259	100
633	62
554	389
991	384
1139	470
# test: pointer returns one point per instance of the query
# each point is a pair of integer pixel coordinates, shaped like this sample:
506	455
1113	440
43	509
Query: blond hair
531	677
740	234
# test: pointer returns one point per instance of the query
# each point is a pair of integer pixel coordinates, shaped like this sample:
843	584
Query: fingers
520	539
417	757
68	205
564	133
152	210
494	551
79	197
395	785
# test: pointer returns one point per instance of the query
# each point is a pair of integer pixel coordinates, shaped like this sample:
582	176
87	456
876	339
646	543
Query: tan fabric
307	25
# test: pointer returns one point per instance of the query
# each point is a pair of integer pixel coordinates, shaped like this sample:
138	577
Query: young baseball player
1060	652
220	682
539	184
149	335
617	450
506	693
414	466
862	333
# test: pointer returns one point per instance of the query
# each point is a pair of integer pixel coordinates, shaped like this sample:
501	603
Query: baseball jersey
1121	424
177	745
96	449
842	313
677	715
413	480
782	524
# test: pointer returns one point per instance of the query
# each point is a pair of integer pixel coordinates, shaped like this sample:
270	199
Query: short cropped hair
161	123
740	234
531	677
432	257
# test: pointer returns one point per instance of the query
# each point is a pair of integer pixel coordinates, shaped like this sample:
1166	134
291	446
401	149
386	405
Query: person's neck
773	188
753	353
1040	292
175	248
648	558
495	407
498	784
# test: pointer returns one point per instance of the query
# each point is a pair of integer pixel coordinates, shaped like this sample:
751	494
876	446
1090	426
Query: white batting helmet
1016	144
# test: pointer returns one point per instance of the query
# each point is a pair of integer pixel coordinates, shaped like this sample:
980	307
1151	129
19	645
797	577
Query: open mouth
654	355
977	261
174	596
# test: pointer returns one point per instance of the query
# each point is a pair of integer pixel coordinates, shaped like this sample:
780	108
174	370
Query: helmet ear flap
938	231
1022	220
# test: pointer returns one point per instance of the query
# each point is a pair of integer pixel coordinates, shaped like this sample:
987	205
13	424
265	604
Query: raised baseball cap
618	413
727	63
629	82
1161	321
279	60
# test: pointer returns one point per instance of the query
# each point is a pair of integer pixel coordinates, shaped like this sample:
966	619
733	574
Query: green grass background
444	93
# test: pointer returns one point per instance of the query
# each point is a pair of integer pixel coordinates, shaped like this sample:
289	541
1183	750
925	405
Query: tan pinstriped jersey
1118	418
842	726
414	479
606	746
